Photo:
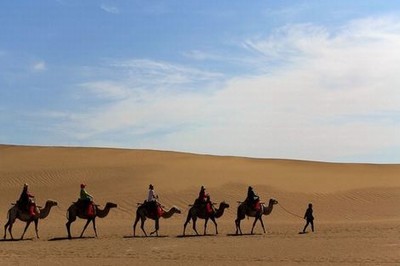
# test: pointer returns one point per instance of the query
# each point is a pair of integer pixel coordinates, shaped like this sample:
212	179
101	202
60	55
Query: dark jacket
251	196
24	199
309	214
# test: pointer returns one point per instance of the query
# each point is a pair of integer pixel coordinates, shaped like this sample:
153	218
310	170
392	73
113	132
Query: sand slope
357	207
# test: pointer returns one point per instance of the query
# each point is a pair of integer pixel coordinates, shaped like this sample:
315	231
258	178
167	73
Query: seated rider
26	201
87	200
152	201
253	200
204	199
202	196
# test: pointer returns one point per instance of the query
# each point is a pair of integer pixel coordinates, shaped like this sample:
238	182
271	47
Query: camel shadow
15	239
188	236
244	234
72	238
160	236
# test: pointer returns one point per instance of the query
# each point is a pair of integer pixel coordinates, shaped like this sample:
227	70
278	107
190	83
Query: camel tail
67	214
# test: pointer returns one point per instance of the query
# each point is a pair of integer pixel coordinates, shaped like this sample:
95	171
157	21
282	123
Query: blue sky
313	80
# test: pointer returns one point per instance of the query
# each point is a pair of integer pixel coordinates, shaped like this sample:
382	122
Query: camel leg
86	225
157	226
238	229
71	219
36	228
262	224
205	226
134	224
189	217
216	226
9	225
94	226
5	229
26	227
10	229
68	225
142	225
194	225
254	223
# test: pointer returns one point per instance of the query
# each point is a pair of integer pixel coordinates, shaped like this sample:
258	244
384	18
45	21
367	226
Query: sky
310	80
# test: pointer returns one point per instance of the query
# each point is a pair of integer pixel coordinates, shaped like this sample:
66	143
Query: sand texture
356	209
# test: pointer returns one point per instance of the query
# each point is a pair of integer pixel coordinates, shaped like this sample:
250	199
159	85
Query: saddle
29	208
208	206
153	207
87	207
253	206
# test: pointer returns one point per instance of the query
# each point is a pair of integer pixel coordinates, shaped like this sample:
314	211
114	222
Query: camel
15	213
243	211
142	213
198	211
75	211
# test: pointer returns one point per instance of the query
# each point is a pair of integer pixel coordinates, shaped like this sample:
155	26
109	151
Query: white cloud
110	9
106	89
201	55
327	94
39	66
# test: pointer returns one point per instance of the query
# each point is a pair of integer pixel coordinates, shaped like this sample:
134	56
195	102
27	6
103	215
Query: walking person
309	218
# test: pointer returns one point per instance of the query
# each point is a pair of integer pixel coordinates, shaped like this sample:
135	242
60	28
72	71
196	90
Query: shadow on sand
153	236
72	238
186	236
245	234
15	239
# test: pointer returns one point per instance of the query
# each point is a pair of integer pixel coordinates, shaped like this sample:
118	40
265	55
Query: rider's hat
151	186
83	185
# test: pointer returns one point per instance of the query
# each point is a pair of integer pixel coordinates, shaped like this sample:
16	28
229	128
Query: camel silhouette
143	212
76	211
244	210
16	213
198	211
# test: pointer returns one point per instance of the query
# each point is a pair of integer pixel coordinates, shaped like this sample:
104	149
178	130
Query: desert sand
356	208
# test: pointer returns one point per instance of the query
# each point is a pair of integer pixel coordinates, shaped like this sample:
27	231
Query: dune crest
355	205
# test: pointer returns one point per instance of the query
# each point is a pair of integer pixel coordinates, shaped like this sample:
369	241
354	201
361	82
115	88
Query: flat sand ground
356	208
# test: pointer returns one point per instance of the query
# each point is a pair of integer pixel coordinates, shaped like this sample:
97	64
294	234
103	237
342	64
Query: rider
205	199
253	200
202	195
152	201
26	201
87	200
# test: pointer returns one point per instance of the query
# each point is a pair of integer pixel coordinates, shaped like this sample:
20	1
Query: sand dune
357	208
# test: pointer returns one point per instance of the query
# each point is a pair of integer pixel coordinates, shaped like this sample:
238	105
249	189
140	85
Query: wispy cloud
110	9
202	55
39	66
308	104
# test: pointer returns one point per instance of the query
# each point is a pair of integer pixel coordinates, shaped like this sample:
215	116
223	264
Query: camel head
51	203
111	205
223	205
273	201
176	209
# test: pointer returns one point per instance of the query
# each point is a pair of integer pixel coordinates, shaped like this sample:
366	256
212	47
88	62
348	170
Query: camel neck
102	213
45	211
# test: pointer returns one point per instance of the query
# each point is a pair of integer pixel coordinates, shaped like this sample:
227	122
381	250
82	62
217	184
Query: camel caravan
26	210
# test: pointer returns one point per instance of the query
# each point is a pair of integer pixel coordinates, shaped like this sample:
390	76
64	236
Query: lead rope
289	211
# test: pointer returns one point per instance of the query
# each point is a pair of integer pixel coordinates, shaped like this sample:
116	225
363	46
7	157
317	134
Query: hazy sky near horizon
313	80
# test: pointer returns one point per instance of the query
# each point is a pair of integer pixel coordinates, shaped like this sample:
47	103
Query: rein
291	213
